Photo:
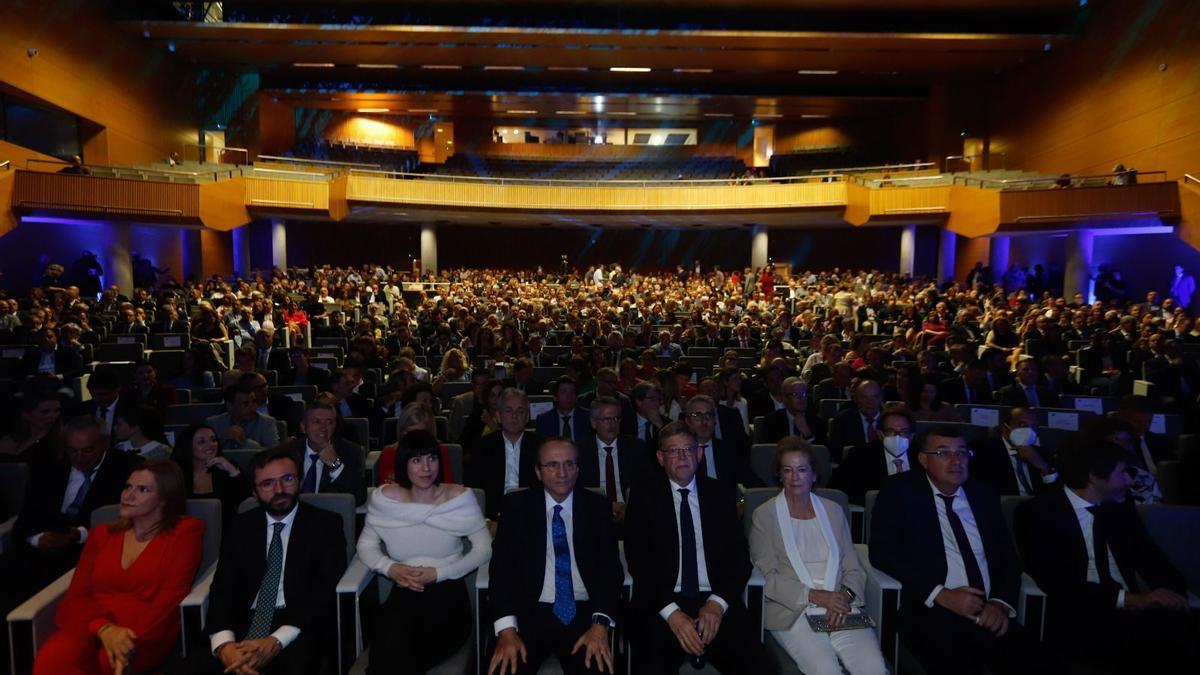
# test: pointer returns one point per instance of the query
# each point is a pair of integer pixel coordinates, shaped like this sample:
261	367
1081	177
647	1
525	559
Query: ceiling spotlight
816	72
691	70
569	112
627	69
422	110
504	67
572	68
373	110
378	65
521	112
313	65
441	67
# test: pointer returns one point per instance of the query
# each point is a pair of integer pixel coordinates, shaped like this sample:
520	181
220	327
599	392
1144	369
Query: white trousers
818	653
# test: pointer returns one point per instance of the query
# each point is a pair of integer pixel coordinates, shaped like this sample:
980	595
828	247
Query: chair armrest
1193	601
32	622
6	534
193	609
882	605
1031	606
369	466
355	579
884	580
349	591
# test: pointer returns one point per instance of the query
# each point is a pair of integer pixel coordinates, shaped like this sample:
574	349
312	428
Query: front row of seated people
555	576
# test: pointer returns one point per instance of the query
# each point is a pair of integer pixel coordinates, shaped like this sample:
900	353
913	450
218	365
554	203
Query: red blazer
144	598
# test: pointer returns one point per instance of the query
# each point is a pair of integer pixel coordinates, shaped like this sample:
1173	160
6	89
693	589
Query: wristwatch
602	620
335	465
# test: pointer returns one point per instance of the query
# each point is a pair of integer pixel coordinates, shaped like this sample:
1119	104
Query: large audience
655	391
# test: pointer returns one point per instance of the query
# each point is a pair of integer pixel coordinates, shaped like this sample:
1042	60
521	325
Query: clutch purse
854	621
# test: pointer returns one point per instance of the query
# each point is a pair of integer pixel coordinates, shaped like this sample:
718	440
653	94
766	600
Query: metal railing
288	172
202	153
1093	180
320	162
900	181
133	173
986	156
1189	178
912	166
568	182
6	164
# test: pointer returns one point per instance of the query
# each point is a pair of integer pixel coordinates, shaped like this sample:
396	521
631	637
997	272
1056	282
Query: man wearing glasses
272	602
690	562
555	572
943	537
719	459
610	460
868	467
794	418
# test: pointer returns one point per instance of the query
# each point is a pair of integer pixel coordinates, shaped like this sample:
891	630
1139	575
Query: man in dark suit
564	419
943	537
52	358
272	602
504	460
1113	598
647	418
858	424
742	339
266	355
1149	448
104	386
1027	391
606	386
147	390
970	387
868	467
764	394
795	419
610	460
719	459
168	321
350	403
665	347
303	372
522	378
53	523
555	576
837	385
1013	463
328	463
687	588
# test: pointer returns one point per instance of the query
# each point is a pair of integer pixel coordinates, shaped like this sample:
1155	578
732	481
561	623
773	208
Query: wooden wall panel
84	65
373	129
141	198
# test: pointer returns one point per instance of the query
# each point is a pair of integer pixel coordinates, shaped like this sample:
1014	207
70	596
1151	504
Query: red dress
144	598
385	468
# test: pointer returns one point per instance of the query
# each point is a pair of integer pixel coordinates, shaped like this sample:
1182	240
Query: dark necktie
1022	475
566	427
689	574
102	415
1031	396
310	477
1100	547
610	478
76	504
974	576
564	589
649	432
264	604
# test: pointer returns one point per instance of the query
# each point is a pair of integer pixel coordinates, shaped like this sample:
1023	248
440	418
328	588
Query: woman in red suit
121	613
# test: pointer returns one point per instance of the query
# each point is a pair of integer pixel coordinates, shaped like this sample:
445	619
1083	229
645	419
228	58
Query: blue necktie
564	590
77	503
264	604
689	574
310	477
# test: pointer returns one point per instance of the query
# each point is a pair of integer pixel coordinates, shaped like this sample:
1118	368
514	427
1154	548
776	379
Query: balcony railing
617	183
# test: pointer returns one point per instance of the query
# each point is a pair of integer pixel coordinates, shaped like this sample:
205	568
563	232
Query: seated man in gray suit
242	426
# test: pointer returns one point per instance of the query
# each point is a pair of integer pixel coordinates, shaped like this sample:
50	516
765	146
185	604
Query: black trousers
947	644
306	654
416	631
1119	641
543	635
734	651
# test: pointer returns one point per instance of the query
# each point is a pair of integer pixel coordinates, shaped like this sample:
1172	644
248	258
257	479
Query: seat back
830	407
303	393
192	413
1176	529
868	506
756	497
982	415
360	430
241	458
180	341
1008	506
207	510
762	463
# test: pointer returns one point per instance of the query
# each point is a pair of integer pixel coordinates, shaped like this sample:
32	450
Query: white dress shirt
284	634
310	456
867	424
74	483
1147	457
693	503
890	463
512	461
710	460
1086	522
601	456
106	419
641	428
956	570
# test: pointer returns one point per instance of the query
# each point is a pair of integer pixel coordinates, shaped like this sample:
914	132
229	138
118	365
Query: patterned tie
310	477
974	576
689	574
264	603
610	478
77	503
564	589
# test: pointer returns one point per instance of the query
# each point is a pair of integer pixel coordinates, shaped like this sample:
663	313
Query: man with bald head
858	424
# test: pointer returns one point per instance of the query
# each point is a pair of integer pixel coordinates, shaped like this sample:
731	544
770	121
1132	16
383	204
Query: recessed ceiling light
691	70
522	112
815	117
718	114
422	110
574	68
628	69
816	72
623	113
373	110
504	67
378	65
569	112
441	67
313	65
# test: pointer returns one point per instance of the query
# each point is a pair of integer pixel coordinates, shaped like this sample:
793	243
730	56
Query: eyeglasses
702	416
566	466
671	452
286	479
947	454
888	433
608	420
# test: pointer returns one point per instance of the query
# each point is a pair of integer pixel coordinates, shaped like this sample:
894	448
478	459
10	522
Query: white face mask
1022	436
895	445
